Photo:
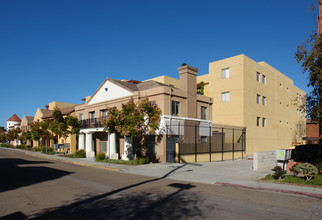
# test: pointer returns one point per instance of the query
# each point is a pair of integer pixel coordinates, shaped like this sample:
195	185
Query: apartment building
179	104
254	95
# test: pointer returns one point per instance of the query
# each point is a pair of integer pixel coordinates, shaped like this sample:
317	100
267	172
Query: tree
134	119
26	136
36	131
2	129
64	126
13	133
309	55
3	136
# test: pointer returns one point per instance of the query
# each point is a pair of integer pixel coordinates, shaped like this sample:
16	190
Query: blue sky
62	50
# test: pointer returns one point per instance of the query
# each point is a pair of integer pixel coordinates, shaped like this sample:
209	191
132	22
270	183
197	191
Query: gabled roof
30	119
137	86
64	111
14	117
46	113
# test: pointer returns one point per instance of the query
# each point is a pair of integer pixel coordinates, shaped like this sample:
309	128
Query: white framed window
203	113
264	122
92	116
225	73
175	108
264	79
225	96
104	113
203	139
264	100
258	121
258	99
81	116
258	76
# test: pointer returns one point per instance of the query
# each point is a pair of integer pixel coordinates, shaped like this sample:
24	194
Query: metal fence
199	140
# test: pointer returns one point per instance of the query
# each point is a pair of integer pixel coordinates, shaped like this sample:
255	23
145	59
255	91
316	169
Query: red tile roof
14	118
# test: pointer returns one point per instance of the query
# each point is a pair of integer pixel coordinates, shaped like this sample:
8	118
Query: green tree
133	120
36	131
3	136
13	133
309	55
2	129
62	126
26	136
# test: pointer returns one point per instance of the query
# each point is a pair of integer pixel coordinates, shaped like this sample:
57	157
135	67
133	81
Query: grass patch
317	181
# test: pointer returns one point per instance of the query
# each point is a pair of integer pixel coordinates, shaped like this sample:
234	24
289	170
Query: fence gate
171	148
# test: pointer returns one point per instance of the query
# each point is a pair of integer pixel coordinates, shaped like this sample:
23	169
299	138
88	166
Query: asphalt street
38	188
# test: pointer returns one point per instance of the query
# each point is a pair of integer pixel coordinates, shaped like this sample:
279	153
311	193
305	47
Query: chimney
188	82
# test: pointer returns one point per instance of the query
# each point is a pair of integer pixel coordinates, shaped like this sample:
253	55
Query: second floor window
258	75
175	108
81	116
258	121
92	116
104	113
225	97
264	100
203	113
225	73
258	99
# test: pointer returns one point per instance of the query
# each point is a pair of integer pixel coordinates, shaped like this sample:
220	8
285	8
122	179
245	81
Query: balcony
92	123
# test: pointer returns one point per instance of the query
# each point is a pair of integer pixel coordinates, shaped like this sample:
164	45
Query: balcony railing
92	123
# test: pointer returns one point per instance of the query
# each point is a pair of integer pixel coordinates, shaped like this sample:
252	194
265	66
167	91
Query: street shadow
16	173
122	204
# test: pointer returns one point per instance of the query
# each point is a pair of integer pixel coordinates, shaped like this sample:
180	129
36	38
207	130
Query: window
264	79
297	111
203	113
151	103
264	100
258	121
175	108
225	73
92	116
264	122
225	96
104	113
258	76
80	116
258	99
203	139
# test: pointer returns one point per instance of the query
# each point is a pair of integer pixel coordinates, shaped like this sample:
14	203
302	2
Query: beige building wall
279	112
53	105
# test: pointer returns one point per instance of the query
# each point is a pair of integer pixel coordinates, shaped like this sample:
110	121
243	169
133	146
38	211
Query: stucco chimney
188	82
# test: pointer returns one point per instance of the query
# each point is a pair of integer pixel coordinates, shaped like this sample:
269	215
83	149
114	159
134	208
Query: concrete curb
77	163
315	195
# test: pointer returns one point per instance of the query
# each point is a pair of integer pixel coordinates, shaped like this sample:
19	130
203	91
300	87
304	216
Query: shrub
279	173
80	154
319	167
6	145
305	169
311	153
142	160
21	146
36	149
100	156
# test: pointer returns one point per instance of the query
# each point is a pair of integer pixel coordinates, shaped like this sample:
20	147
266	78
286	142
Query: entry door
171	149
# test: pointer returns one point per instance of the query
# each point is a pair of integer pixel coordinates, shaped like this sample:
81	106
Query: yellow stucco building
253	95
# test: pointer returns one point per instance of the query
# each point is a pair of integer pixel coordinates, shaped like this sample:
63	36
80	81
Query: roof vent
184	64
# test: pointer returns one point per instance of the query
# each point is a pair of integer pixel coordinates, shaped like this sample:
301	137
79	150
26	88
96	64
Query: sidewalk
236	173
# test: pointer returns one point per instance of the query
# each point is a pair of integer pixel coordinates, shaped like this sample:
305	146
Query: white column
81	141
128	148
113	147
89	145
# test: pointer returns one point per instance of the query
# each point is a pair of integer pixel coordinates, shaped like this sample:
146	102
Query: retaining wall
264	161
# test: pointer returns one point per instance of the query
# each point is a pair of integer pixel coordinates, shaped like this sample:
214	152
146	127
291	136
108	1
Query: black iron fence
92	122
199	140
